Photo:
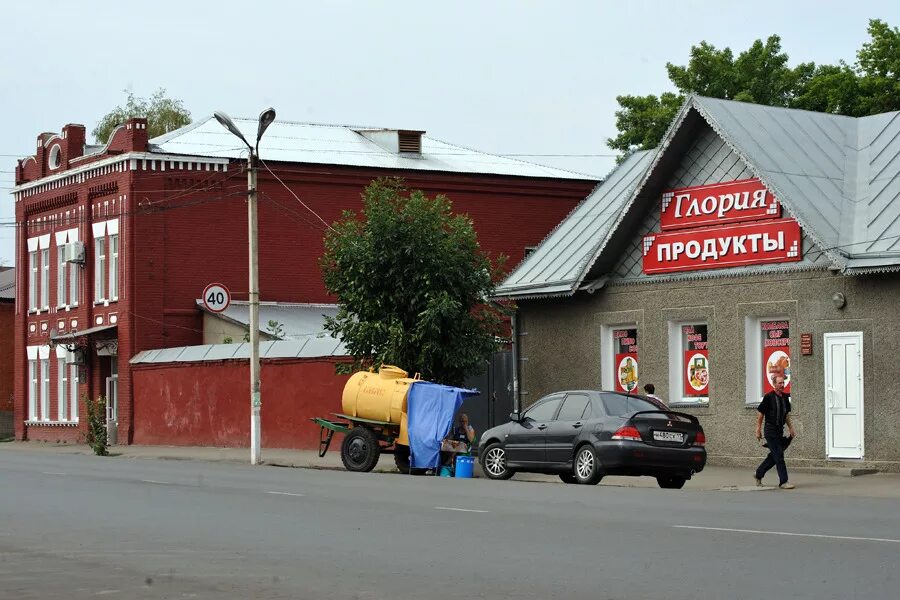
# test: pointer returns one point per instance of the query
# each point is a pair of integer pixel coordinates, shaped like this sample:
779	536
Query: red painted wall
208	404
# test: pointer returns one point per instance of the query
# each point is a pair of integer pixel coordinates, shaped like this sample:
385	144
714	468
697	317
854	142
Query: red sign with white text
716	247
717	204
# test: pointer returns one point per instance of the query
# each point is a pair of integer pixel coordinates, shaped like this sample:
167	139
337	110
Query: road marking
786	533
284	493
106	592
52	473
155	481
459	509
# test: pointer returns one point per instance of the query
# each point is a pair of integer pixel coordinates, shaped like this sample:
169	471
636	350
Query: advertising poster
776	354
695	342
626	360
696	374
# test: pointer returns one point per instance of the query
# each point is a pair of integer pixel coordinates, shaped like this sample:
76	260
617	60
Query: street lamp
266	118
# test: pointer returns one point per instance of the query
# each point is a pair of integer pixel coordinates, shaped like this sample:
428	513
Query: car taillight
700	440
628	432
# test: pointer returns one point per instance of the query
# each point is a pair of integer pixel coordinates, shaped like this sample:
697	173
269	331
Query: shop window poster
776	357
696	361
626	359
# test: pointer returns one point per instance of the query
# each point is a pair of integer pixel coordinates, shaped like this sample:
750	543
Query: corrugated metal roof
8	284
838	176
314	348
558	263
291	142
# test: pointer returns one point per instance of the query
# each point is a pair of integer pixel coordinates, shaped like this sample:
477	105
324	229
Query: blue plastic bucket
464	466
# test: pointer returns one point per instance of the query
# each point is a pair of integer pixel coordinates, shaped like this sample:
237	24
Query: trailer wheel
360	450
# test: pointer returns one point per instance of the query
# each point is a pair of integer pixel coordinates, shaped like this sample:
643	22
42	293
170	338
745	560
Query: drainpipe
515	360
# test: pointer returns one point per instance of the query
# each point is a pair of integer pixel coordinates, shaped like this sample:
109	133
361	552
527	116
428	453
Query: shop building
754	241
116	243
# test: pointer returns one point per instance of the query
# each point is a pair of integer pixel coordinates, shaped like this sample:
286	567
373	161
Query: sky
507	77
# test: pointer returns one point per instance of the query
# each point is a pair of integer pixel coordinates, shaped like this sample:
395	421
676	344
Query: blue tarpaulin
430	409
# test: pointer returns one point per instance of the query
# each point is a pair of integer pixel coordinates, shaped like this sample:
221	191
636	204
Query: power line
324	222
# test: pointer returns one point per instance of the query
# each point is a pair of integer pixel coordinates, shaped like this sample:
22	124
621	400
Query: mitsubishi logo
668	423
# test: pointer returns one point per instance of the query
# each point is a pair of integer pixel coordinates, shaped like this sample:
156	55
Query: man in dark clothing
775	408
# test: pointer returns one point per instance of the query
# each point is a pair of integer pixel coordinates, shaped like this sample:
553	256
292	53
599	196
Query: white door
844	395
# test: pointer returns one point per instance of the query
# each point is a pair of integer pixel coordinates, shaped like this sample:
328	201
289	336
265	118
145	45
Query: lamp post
265	119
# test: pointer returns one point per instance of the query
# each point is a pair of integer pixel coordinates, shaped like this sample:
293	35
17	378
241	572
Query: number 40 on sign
216	297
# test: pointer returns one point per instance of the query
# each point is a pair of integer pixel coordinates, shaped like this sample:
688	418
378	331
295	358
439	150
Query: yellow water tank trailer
379	396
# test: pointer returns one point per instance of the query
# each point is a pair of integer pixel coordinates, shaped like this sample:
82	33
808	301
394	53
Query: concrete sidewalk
726	479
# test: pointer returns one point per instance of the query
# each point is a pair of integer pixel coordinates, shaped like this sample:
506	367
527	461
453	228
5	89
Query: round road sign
216	297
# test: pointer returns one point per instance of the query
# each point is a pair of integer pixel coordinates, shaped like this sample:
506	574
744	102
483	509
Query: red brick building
117	242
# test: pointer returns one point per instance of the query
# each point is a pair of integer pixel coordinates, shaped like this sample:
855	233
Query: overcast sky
504	77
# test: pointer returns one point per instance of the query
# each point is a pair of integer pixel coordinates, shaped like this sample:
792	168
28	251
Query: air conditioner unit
73	252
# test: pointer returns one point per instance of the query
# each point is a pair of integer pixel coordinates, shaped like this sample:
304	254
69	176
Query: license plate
668	436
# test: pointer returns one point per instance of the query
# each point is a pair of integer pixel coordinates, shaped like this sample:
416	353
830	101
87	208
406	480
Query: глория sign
706	227
717	204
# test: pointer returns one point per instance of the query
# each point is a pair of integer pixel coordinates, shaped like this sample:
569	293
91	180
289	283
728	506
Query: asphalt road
76	527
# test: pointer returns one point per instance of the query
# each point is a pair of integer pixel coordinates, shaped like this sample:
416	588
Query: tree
163	114
411	282
761	74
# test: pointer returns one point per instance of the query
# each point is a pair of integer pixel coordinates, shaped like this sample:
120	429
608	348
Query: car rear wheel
671	483
493	462
568	478
587	466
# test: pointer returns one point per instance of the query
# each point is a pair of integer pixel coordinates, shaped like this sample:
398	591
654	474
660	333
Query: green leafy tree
761	74
411	282
163	115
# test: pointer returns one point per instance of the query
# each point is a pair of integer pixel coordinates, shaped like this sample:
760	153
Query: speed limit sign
216	297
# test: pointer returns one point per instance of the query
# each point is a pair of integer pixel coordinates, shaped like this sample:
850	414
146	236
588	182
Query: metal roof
838	176
557	265
7	284
309	348
291	142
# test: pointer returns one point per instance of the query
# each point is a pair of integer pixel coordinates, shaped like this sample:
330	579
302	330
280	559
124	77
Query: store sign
626	359
718	204
695	342
776	341
731	246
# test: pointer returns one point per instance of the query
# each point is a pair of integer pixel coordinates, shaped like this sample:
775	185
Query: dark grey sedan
583	435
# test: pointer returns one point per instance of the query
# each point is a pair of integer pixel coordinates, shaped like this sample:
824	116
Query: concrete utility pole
266	118
255	397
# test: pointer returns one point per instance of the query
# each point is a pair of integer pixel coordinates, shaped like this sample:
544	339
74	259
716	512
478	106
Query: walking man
775	408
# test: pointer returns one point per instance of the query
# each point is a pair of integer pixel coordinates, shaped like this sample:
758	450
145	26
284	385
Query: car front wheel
493	462
587	466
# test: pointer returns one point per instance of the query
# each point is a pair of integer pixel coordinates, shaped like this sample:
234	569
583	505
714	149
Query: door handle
830	394
577	425
542	427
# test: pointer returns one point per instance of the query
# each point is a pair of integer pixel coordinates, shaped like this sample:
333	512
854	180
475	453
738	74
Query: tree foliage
761	74
411	282
163	115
